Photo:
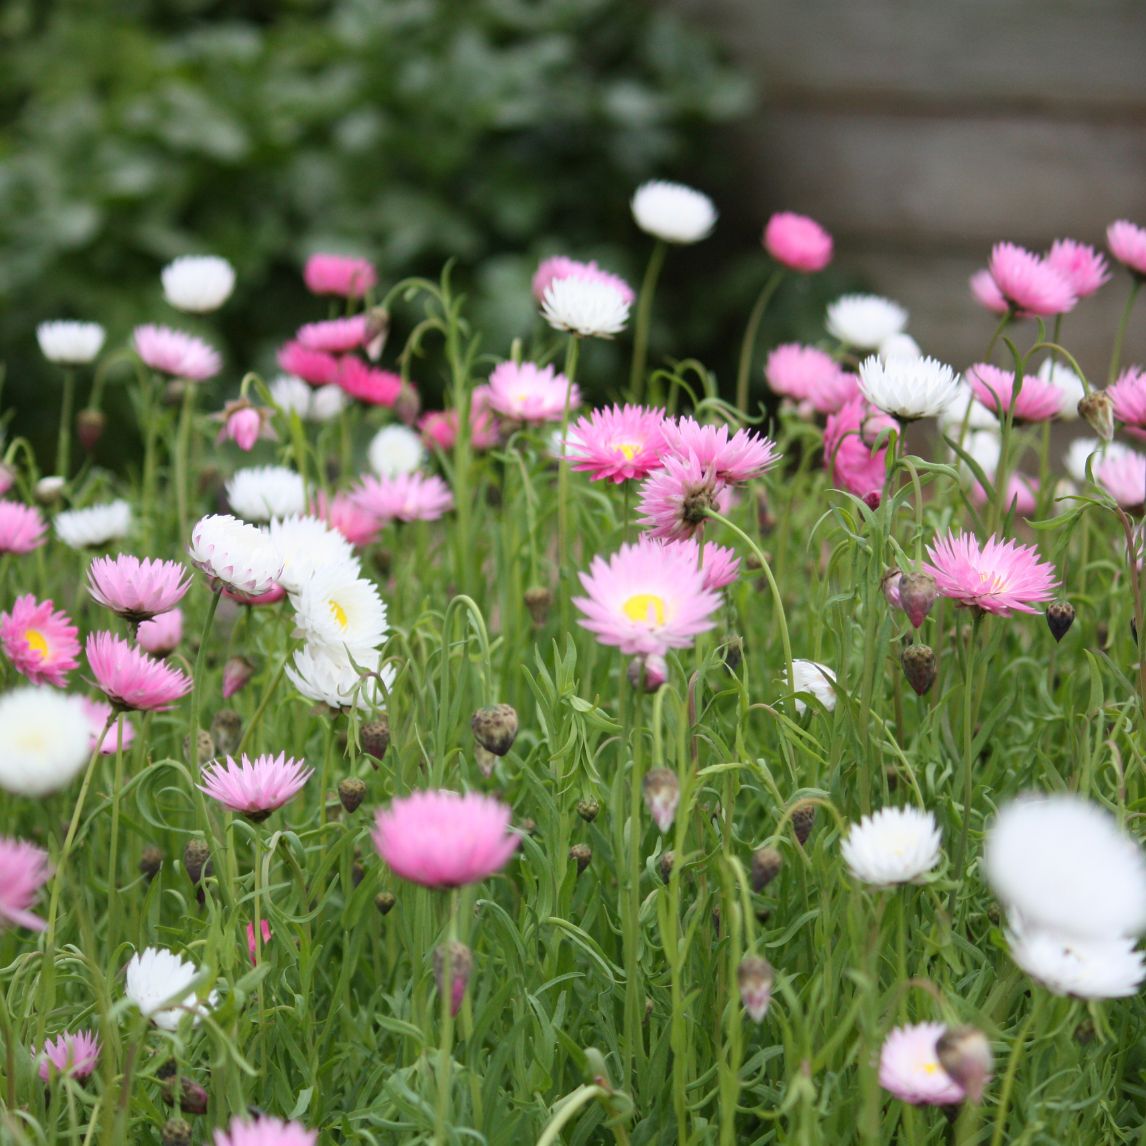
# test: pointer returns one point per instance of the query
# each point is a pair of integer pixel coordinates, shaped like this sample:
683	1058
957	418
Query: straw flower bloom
255	787
719	565
673	212
198	284
70	343
987	293
336	336
732	459
620	443
798	242
908	388
810	376
998	577
1127	243
367	383
444	839
893	845
1038	400
525	392
407	497
587	307
176	353
341	275
130	678
137	590
359	526
329	676
1128	393
24	870
337	607
234	555
1082	266
39	641
102	735
677	498
156	976
561	267
259	493
1106	968
815	679
850	455
396	450
865	320
44	740
94	527
75	1056
318	367
265	1131
1122	473
1030	284
22	528
306	546
909	1067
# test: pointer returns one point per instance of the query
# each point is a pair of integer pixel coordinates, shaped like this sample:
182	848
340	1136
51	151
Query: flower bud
49	489
665	865
1060	617
252	947
150	862
965	1054
917	594
890	583
408	405
1098	410
495	728
351	792
755	978
176	1132
459	960
581	854
661	790
242	427
375	736
205	744
384	901
196	857
919	666
766	864
486	760
236	672
190	1097
872	499
227	731
588	810
90	425
537	601
377	329
803	819
648	672
733	652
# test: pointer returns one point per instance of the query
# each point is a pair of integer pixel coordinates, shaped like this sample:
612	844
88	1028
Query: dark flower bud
917	593
1060	617
185	1093
1098	410
377	328
90	425
581	854
375	736
486	760
150	861
227	731
733	652
196	856
766	864
920	668
537	601
803	819
206	745
754	976
408	405
495	728
588	810
176	1132
351	792
665	865
357	872
384	901
456	960
965	1054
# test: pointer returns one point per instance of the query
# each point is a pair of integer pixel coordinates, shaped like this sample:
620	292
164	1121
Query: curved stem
749	343
1012	1069
641	329
64	441
569	1106
1120	335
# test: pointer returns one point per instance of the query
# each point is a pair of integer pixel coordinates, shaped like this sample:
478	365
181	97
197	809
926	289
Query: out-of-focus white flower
307	545
259	493
583	306
70	343
234	555
1068	383
291	395
964	407
156	976
893	845
908	388
45	740
396	450
673	212
814	678
94	526
198	284
1081	449
899	346
865	320
341	610
328	402
327	676
1069	965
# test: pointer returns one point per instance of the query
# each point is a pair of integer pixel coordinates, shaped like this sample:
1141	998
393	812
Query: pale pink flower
334	337
405	497
1029	283
137	589
40	642
22	528
719	565
271	597
647	598
1123	475
676	499
265	1131
798	242
73	1055
850	455
1129	397
24	870
236	672
1038	400
368	384
561	267
440	427
176	353
313	366
1022	494
339	274
265	931
987	293
732	458
255	787
161	634
359	526
792	370
130	678
1085	269
909	1067
444	839
620	443
97	712
997	577
1127	243
525	392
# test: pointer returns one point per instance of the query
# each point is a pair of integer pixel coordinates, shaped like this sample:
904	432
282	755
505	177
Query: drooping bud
150	862
917	593
50	489
495	728
375	736
648	672
920	667
242	426
408	405
1098	410
661	790
196	856
965	1054
176	1132
459	960
486	760
872	499
90	425
227	731
357	872
236	672
1060	617
733	652
351	792
588	810
205	744
890	583
665	865
755	978
384	901
377	329
537	600
185	1093
581	855
766	864
803	819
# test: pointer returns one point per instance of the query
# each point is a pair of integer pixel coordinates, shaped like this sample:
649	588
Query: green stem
1012	1069
67	406
566	1109
641	329
563	571
634	1042
749	343
113	858
183	458
445	1050
1120	335
968	766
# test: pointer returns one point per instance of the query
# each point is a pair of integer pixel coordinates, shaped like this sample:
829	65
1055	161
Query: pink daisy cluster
440	427
74	1056
810	377
621	443
562	267
525	392
137	589
403	497
1127	243
1032	285
850	454
255	788
176	353
22	527
997	577
341	275
41	642
1037	399
1128	394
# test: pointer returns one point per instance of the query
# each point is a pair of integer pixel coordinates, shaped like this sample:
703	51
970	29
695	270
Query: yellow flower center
646	607
998	584
628	449
339	614
930	1068
35	641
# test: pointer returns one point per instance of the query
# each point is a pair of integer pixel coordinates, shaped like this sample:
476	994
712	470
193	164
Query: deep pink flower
40	643
987	292
404	497
1129	397
236	672
1127	244
675	500
620	443
176	353
130	678
23	871
1030	284
339	274
798	242
255	787
265	930
719	565
73	1055
97	712
313	366
998	577
334	337
1038	400
265	1131
561	267
732	458
342	512
444	839
22	528
525	392
161	634
909	1067
647	598
1123	475
242	427
792	369
1022	494
1085	269
367	383
137	589
440	427
271	597
849	454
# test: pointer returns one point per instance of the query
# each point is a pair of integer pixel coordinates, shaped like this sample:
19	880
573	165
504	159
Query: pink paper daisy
39	642
73	1055
732	458
1038	400
676	499
405	497
525	392
22	528
1129	397
792	369
161	634
241	427
334	337
1127	244
97	712
1123	476
1022	494
367	383
313	366
1085	269
620	443
999	577
23	871
798	242
130	678
444	839
339	274
647	598
849	454
561	267
440	427
137	589
719	565
1030	284
987	293
255	787
176	353
359	526
909	1067
265	1131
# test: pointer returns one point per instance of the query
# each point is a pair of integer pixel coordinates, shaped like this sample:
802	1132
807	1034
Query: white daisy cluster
310	403
1074	886
94	527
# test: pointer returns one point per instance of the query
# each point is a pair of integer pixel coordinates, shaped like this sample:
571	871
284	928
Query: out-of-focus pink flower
998	577
244	424
909	1067
367	383
265	930
339	274
137	589
342	512
24	870
1038	400
732	458
22	528
525	392
271	597
1084	268
1123	475
162	633
440	427
130	678
236	672
987	292
176	353
1022	494
40	642
313	366
561	267
792	369
265	1131
849	454
798	242
1029	283
97	712
1127	243
620	443
719	565
404	497
677	498
334	337
255	788
75	1056
1129	397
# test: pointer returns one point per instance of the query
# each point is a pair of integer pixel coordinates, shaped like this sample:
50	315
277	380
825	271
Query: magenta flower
265	1131
137	589
334	337
620	443
22	528
244	425
73	1055
162	634
525	392
677	498
1123	475
849	448
1129	397
1084	268
719	565
367	383
561	267
909	1067
987	293
40	643
176	353
1127	244
440	427
1022	494
647	598
798	242
255	787
1038	399
97	712
313	366
339	274
1030	284
999	577
342	512
444	839
405	497
130	678
731	458
265	931
23	871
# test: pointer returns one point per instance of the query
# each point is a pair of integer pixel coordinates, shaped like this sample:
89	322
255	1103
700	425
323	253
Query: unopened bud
661	790
196	856
351	792
890	583
49	489
384	901
205	744
766	864
1098	410
665	865
965	1054
919	666
648	673
1060	617
588	810
495	728
236	672
357	872
377	329
486	760
581	854
375	736
537	601
150	861
456	960
176	1132
408	405
872	499
755	978
175	389
227	731
733	652
90	425
1085	1032
185	1093
917	593
803	819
